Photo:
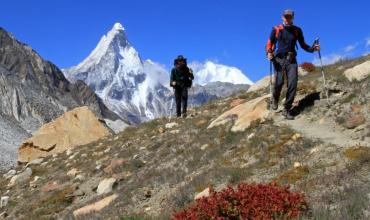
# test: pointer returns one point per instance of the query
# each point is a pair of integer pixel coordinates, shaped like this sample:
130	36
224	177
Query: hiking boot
184	115
287	115
275	104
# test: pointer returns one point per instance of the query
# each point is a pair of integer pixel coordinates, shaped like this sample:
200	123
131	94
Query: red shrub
309	67
248	201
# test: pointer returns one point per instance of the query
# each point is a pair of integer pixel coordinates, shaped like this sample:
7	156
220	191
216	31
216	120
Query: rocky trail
325	129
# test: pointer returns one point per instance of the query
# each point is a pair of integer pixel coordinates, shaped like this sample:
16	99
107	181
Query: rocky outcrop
260	84
244	114
34	92
358	72
74	128
265	81
31	87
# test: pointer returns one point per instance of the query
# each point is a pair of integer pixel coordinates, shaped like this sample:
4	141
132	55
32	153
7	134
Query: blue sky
231	32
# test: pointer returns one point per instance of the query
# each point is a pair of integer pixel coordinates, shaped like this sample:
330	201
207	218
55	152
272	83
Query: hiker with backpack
181	80
281	50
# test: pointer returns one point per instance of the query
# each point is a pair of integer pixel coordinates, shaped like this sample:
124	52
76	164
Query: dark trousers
290	71
181	95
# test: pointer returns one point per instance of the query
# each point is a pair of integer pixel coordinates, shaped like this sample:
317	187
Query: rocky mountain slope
34	91
139	90
151	170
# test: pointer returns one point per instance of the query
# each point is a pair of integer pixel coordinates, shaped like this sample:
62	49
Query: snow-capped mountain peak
115	39
129	86
118	26
212	72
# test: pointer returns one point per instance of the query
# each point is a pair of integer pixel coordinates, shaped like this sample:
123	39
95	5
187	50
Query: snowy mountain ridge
138	90
212	72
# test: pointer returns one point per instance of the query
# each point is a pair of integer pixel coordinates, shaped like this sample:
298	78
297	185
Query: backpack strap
278	28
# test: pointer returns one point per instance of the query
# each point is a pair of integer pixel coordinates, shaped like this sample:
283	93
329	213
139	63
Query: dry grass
357	153
293	175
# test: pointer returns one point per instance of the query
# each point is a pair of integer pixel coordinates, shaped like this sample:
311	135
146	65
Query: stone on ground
354	121
244	114
95	207
106	186
21	178
204	193
171	125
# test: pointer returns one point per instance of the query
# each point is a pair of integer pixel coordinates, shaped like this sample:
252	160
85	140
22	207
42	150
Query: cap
289	12
180	57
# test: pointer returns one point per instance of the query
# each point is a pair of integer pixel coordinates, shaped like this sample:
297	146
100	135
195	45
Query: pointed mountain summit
112	47
129	86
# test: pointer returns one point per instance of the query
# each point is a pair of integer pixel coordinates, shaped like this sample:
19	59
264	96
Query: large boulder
265	81
74	128
260	84
244	114
358	72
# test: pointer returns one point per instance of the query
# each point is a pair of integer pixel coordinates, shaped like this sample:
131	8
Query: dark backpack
187	79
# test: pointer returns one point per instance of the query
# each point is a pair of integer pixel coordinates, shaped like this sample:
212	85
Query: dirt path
324	131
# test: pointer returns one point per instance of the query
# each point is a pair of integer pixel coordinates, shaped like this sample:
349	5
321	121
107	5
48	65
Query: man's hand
173	83
270	56
316	47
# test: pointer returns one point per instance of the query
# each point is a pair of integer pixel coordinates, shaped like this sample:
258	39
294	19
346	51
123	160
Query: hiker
285	37
181	80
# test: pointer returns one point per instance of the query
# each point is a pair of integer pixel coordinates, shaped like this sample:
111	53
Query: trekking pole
271	96
192	98
322	70
171	107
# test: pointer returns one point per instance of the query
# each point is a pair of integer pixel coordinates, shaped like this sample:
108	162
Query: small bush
309	67
248	201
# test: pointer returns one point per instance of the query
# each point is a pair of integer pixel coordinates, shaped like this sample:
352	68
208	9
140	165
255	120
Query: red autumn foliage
309	67
247	201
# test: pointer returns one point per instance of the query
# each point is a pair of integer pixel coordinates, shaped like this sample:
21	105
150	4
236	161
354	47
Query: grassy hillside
159	170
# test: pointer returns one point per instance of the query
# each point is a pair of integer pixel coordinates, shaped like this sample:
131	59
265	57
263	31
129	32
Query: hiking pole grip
317	42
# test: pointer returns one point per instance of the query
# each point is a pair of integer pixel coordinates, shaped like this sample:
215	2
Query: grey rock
4	201
21	177
36	162
10	174
106	186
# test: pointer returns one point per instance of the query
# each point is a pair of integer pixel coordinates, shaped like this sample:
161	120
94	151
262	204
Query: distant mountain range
138	90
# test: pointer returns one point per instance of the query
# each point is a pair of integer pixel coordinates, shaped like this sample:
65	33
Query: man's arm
302	42
271	42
